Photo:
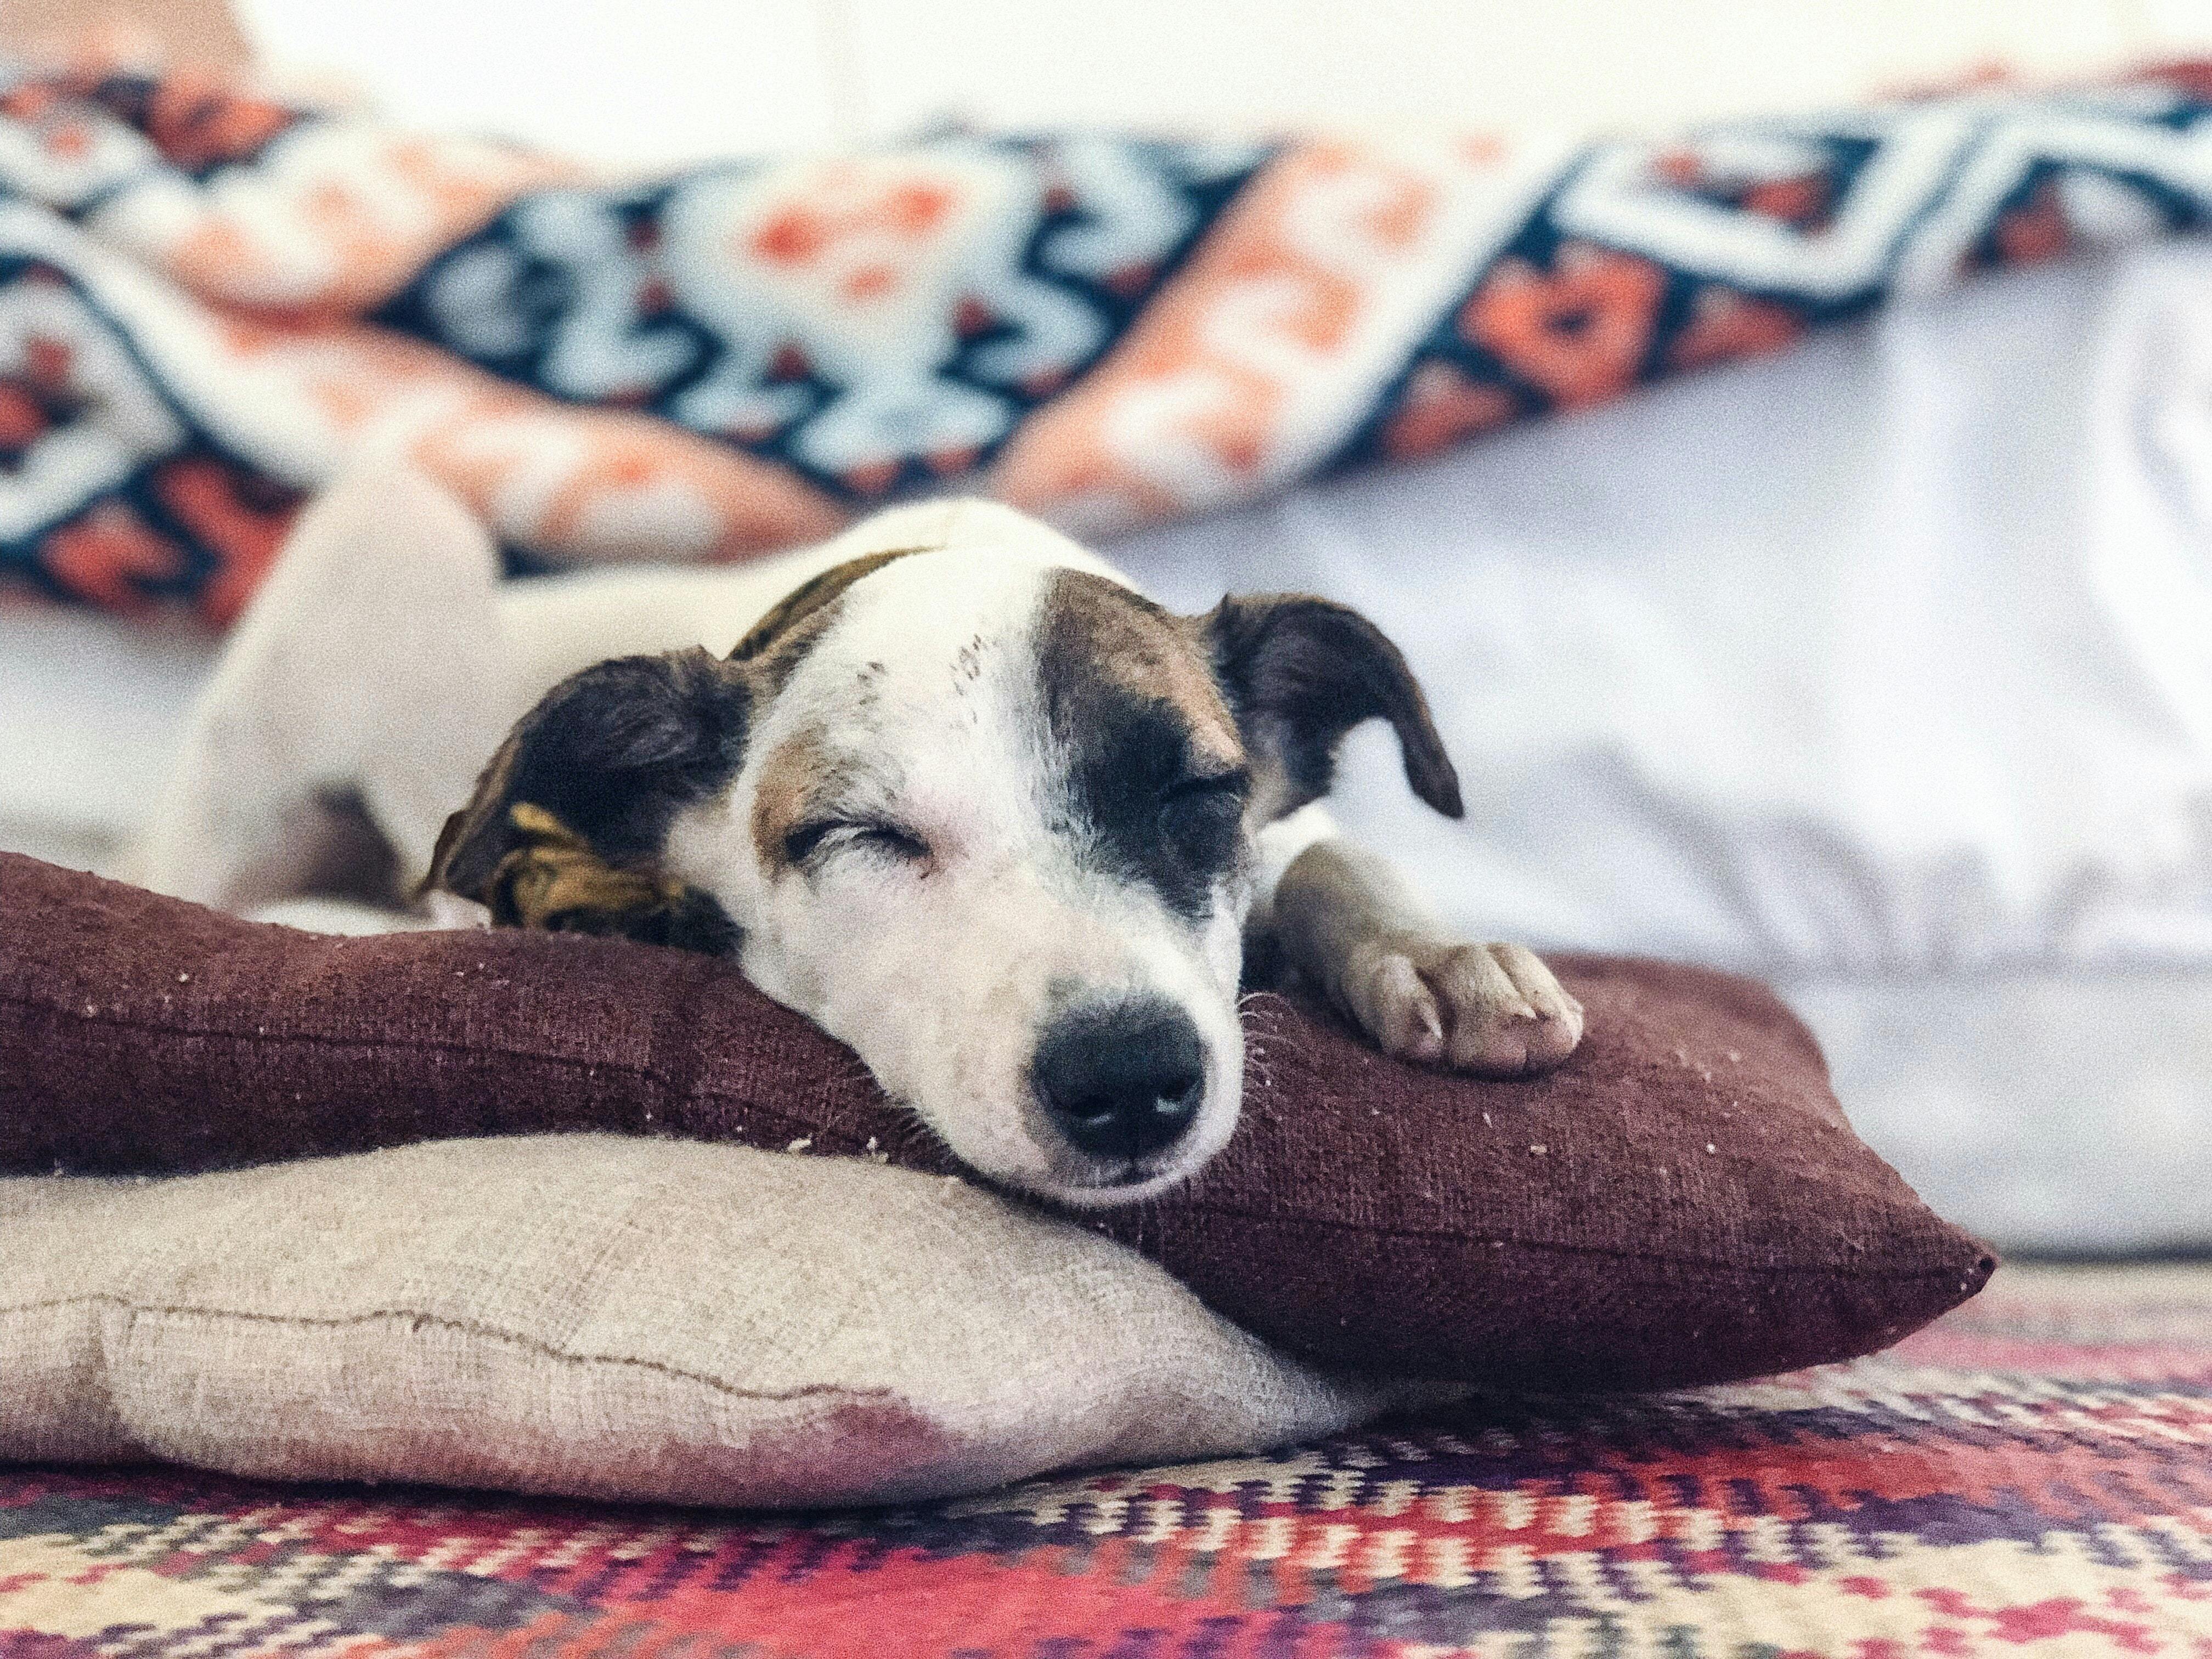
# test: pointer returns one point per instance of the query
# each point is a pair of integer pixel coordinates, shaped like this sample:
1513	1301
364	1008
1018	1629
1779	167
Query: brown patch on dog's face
791	780
1156	779
1125	644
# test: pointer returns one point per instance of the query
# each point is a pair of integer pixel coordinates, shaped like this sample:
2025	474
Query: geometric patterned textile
2030	1477
208	300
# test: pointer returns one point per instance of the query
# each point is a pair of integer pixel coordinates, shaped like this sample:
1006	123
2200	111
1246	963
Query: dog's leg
1343	919
369	675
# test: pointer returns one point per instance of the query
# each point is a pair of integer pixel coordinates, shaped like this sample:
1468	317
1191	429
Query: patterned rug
208	300
2030	1477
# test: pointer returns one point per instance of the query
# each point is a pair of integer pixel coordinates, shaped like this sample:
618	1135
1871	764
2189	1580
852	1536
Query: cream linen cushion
614	1318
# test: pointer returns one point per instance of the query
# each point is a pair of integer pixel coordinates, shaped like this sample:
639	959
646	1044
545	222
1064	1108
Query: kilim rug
2032	1476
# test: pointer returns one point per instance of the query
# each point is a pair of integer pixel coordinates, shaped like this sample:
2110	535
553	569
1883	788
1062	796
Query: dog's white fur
384	661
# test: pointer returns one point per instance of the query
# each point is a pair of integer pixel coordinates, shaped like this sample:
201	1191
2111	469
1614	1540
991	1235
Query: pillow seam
1611	1252
416	1319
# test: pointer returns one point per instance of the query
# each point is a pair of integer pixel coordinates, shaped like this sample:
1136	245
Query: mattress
1878	669
2027	1477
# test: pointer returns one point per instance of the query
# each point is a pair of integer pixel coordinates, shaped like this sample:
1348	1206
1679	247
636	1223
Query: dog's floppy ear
568	824
1300	672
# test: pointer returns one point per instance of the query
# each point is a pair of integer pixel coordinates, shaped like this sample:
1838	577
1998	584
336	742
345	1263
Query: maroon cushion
1681	1202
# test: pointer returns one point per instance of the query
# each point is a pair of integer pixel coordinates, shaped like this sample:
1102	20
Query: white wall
649	82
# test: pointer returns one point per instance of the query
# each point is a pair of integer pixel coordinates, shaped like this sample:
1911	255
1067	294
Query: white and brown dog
946	785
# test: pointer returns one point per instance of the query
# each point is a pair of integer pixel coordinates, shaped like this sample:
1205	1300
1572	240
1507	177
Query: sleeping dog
946	785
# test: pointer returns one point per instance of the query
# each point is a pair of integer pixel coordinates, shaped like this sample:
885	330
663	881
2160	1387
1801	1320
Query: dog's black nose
1120	1079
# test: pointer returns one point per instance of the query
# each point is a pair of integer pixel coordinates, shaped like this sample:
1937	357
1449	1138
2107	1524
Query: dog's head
976	808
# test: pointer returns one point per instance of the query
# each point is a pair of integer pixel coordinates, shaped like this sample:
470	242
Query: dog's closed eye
1200	817
821	838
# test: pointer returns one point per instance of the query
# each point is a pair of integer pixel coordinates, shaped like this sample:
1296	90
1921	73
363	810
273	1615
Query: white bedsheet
1882	669
1892	654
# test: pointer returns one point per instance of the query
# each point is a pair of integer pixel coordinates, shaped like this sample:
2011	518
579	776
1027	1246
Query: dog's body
945	784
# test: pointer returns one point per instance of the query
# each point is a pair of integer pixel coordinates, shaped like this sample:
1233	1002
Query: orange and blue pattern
2032	1477
210	300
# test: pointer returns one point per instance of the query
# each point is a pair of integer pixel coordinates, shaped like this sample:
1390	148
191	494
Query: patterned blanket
2030	1477
208	300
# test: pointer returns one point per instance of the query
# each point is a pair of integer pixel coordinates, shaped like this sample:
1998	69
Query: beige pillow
617	1318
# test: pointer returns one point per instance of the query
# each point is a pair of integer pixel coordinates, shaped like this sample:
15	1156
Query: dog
947	785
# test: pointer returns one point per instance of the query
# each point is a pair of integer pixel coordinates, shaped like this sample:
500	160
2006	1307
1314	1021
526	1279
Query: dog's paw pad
1493	1009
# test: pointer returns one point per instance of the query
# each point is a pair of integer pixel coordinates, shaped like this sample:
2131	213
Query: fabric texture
613	1317
1683	1201
213	300
2028	1479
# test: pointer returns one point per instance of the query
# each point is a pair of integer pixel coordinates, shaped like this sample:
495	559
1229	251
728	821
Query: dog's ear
1299	673
568	824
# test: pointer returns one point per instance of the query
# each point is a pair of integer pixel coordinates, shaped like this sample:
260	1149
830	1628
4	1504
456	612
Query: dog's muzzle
1121	1081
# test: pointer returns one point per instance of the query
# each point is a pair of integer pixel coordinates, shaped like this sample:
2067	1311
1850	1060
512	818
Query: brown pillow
1682	1202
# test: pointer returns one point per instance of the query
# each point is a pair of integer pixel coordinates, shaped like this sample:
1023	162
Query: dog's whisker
1260	1051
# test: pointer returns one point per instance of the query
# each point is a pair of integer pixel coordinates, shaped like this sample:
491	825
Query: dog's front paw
1494	1010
